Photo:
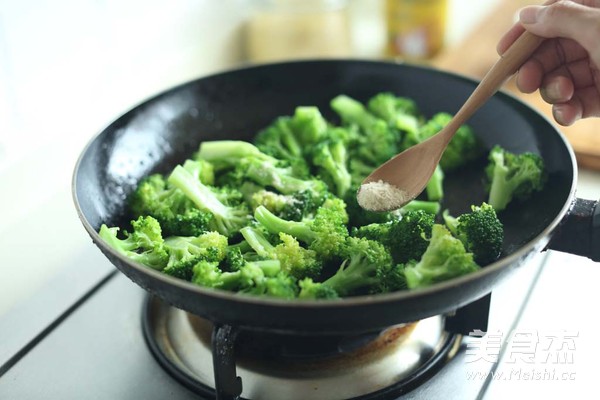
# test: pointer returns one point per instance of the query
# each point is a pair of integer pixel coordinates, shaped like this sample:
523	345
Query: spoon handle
506	66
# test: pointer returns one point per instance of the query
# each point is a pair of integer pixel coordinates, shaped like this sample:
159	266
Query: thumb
565	19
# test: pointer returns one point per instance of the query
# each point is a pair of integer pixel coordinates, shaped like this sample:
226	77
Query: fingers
553	85
509	38
585	103
565	19
530	76
558	89
515	31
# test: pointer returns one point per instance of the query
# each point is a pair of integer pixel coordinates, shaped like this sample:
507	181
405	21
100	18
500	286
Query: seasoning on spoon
381	196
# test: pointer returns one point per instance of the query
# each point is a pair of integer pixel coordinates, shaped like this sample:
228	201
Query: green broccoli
315	290
364	269
463	147
295	260
185	251
399	112
513	176
226	154
430	207
262	278
409	237
325	233
435	186
378	142
269	174
480	231
293	207
406	238
278	140
176	214
144	244
330	157
227	220
201	169
308	125
445	258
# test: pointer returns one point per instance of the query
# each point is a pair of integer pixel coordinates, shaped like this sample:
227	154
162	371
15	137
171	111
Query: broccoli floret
379	232
279	140
176	214
144	244
293	207
227	220
295	260
463	147
234	258
399	112
406	238
269	174
445	258
480	231
186	251
325	233
315	290
513	176
202	170
378	142
224	154
364	269
281	285
409	237
302	205
331	158
308	125
261	278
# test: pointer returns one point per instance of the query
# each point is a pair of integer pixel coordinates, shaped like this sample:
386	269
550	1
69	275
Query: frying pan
166	129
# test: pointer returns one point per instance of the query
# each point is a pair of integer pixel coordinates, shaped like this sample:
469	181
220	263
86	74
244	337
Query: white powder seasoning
381	196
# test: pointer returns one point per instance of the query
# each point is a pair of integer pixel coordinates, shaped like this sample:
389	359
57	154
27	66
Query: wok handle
579	233
228	386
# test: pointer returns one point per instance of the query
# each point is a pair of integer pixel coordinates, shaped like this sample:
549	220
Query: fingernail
560	113
552	91
530	14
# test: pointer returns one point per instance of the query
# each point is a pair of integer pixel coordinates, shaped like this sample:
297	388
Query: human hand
566	66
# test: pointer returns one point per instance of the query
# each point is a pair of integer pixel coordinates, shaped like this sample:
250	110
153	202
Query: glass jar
294	29
416	29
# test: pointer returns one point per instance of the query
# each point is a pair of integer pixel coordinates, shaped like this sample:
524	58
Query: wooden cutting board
477	53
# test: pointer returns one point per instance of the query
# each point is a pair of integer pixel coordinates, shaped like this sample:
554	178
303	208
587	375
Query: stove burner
381	365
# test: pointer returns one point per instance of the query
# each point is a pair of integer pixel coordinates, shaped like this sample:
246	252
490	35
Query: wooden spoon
403	177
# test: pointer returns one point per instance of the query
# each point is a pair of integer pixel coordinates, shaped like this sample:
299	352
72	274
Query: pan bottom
381	365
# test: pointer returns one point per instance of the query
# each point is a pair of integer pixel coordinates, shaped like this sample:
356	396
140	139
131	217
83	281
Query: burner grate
273	366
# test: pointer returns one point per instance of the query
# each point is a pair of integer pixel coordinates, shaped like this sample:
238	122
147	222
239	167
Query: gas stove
111	340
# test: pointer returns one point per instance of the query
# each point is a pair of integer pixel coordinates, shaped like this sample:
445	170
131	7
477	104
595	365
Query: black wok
166	129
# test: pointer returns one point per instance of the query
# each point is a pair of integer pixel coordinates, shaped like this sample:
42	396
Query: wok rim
233	297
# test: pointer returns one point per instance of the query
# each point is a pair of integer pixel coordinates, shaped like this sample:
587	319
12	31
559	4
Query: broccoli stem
201	195
430	207
288	138
435	188
500	194
354	273
257	241
273	223
232	150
